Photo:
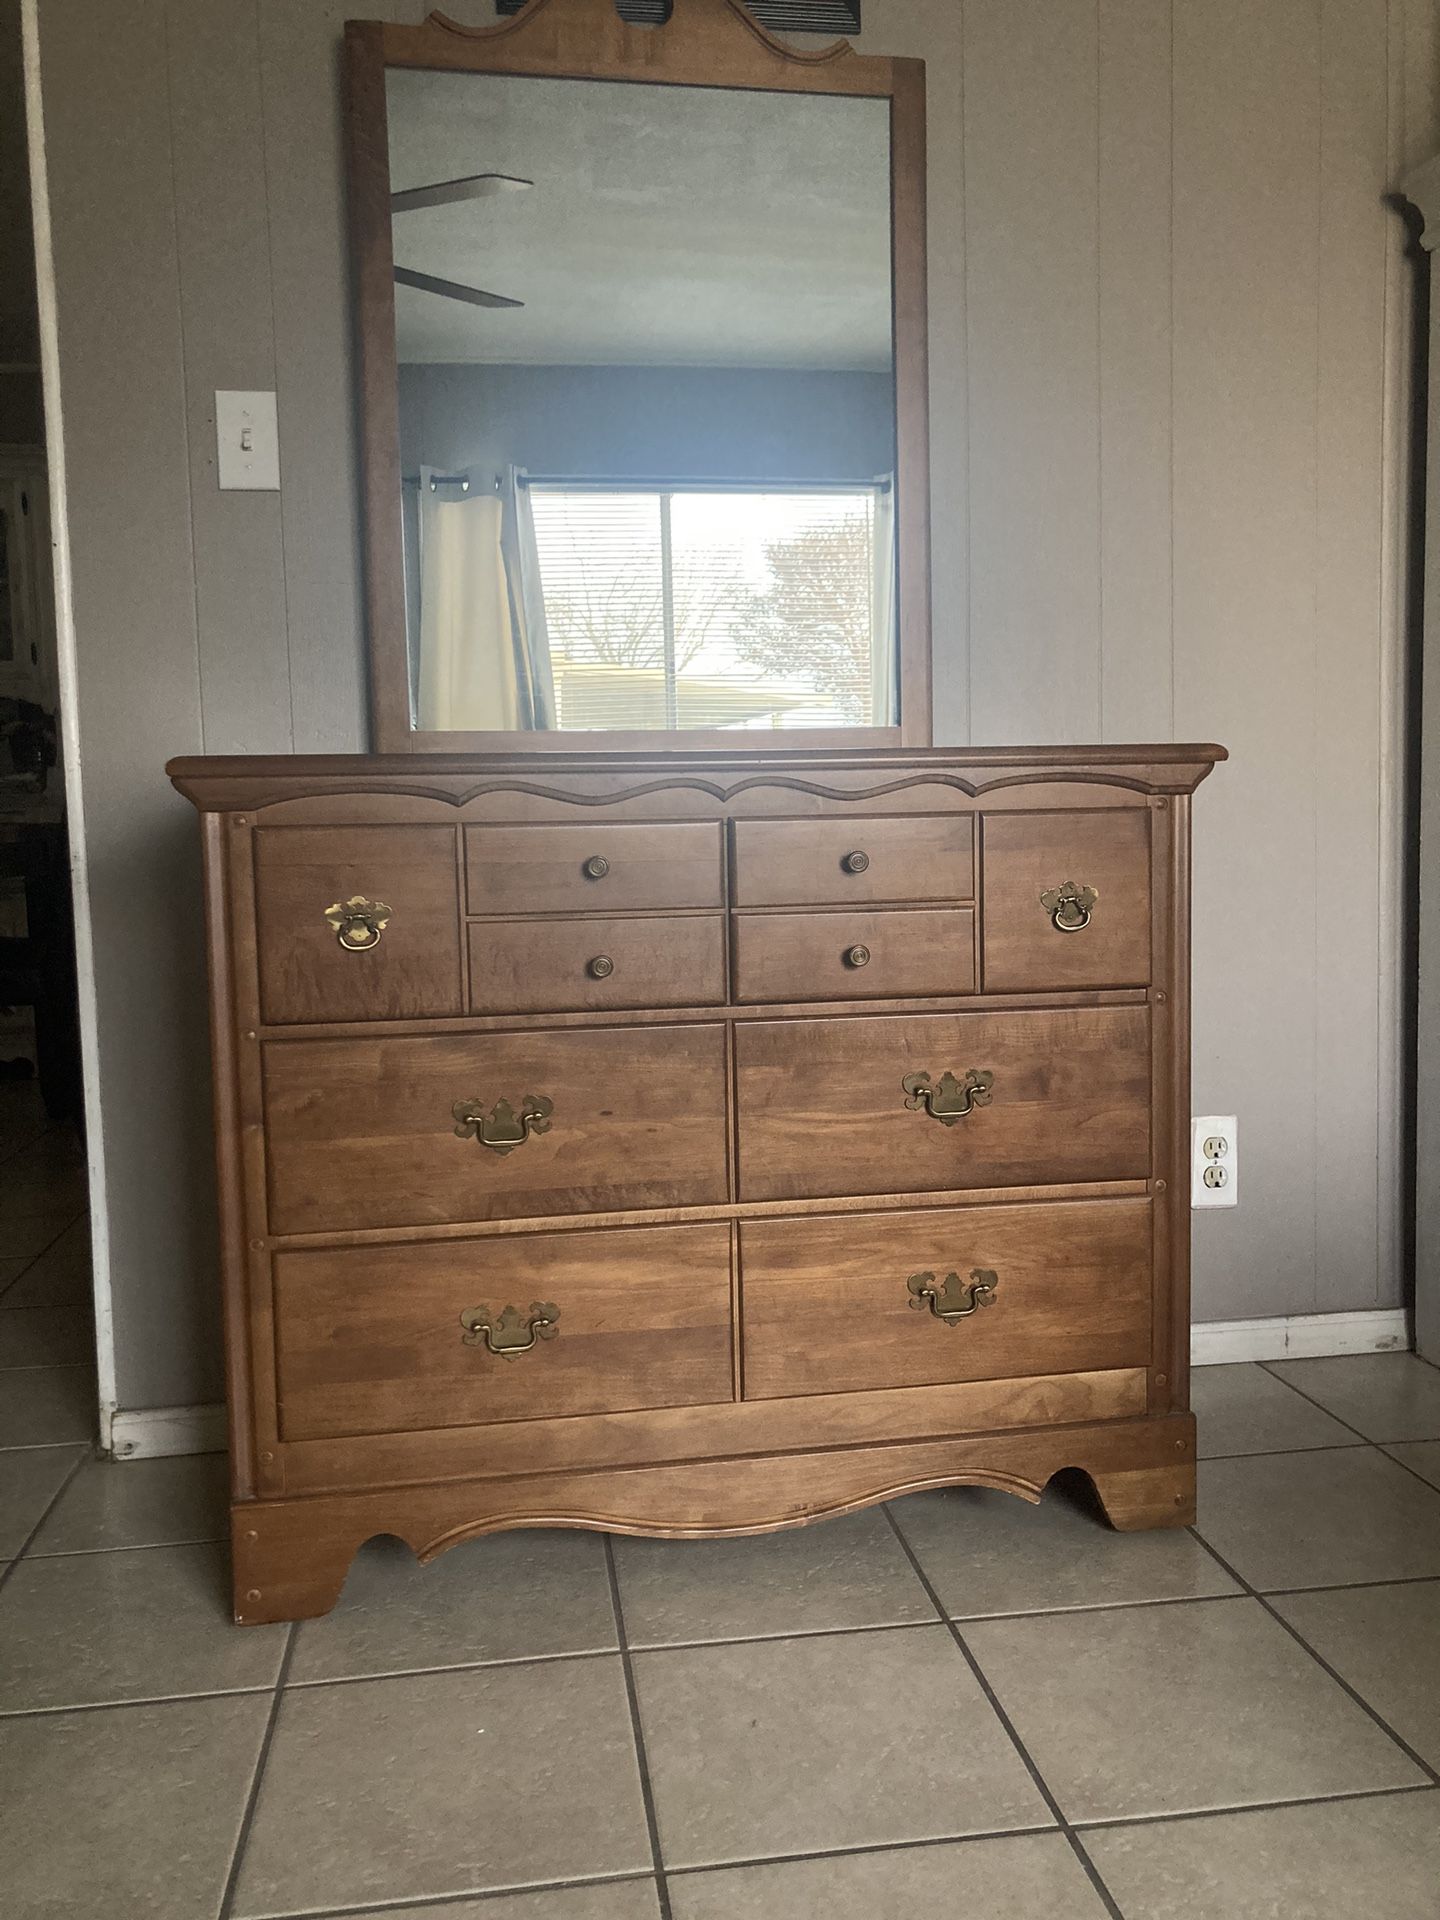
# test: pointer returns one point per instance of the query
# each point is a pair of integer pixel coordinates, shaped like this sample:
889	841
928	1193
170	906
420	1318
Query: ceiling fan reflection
442	193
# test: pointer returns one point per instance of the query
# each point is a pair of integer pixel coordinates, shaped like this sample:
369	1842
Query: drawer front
1032	944
370	1339
844	1304
891	954
560	966
599	868
824	1111
314	967
363	1133
864	860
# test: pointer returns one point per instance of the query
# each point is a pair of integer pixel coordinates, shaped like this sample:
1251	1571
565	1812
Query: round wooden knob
857	957
601	967
596	867
855	862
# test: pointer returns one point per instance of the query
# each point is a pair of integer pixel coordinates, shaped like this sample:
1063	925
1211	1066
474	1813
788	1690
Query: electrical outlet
1214	1161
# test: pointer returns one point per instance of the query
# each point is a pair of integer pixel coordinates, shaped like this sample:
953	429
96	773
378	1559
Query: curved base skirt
291	1556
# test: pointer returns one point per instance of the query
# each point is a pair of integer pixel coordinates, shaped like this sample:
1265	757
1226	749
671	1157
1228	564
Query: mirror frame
706	43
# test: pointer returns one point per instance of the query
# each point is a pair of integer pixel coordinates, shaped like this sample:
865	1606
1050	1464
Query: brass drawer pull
949	1099
952	1299
601	967
855	862
358	922
857	956
508	1333
1069	906
502	1128
596	867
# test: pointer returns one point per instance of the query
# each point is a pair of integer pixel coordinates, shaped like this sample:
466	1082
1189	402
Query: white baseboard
145	1433
1299	1336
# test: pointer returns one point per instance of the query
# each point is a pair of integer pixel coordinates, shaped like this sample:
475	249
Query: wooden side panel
827	1306
600	867
823	1110
589	964
414	967
890	954
370	1338
362	1132
1026	855
860	862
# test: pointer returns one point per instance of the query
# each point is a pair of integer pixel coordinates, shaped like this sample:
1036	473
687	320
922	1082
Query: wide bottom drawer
384	1339
849	1303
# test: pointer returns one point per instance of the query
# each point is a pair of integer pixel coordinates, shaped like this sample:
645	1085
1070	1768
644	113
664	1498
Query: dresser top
219	782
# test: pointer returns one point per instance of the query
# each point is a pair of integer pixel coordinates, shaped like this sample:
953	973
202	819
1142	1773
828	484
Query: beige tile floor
958	1705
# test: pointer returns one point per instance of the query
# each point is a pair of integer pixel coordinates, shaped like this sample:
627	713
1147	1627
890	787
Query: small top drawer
357	923
1067	900
599	868
861	860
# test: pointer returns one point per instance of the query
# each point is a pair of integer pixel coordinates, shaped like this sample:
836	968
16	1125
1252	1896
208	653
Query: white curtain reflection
483	663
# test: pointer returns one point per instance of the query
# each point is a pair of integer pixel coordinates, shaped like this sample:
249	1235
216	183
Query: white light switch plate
247	442
1214	1161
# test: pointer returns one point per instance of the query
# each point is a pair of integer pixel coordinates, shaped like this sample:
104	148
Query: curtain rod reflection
465	481
645	483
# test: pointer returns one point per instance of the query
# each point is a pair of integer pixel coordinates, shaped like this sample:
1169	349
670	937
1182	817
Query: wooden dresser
686	1144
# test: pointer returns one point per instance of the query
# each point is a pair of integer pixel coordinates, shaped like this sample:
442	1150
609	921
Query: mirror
646	479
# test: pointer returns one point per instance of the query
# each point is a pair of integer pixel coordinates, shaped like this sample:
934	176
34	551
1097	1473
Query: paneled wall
1169	354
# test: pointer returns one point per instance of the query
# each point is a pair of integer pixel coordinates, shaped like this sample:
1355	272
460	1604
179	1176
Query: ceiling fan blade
452	289
475	186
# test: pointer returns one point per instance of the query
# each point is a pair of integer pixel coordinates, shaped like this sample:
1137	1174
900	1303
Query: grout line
1275	1614
128	1546
453	1666
83	1454
1091	1872
252	1799
50	1126
1379	1445
1267	1367
1414	1472
1263	1453
1254	1806
1351	1586
440	1901
44	1366
647	1794
31	1259
1092	1606
859	1851
139	1700
679	1646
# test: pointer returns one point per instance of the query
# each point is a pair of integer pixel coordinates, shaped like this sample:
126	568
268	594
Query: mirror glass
647	413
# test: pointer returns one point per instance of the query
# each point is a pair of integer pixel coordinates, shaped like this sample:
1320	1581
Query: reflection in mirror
646	404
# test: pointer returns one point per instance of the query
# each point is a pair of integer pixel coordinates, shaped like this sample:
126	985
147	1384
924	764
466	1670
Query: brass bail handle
1069	906
358	922
502	1129
509	1333
952	1299
948	1099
